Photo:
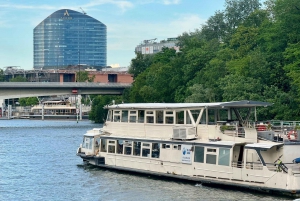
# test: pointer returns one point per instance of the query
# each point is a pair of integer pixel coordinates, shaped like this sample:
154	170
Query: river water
38	162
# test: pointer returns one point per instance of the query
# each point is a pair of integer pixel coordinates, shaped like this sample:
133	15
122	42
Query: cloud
122	4
18	6
138	31
169	2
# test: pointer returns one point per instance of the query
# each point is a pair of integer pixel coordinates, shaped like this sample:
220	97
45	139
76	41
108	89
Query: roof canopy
232	104
262	145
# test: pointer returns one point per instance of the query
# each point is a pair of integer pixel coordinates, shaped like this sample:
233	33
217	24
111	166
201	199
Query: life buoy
261	127
292	135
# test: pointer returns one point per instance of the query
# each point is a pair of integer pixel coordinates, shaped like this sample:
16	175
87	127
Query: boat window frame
117	113
127	144
158	118
211	154
149	115
146	146
132	115
111	143
123	116
166	116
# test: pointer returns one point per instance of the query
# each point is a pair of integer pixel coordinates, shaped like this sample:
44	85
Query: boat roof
232	104
262	145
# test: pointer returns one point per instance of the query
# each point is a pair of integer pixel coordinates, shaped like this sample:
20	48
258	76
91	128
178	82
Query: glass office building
68	38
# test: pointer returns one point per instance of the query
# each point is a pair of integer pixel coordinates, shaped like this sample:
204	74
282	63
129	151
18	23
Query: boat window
224	156
211	150
149	119
169	112
159	117
124	115
132	119
128	147
146	144
117	116
108	115
136	148
132	116
166	146
111	142
179	147
169	120
103	145
119	146
87	142
146	150
199	154
211	159
141	116
111	148
155	150
180	117
174	146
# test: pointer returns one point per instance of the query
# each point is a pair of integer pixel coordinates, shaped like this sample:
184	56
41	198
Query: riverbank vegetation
247	51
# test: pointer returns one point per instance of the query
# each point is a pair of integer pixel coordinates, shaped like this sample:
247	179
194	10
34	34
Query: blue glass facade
67	38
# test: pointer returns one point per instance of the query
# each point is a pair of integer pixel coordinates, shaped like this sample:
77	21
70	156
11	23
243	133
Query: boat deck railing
237	164
233	131
249	165
254	165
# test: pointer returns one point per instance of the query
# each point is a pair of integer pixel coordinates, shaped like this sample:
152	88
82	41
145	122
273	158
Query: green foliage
18	79
2	77
98	113
83	76
244	52
30	101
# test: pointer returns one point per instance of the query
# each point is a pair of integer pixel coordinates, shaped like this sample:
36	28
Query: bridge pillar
9	112
43	111
80	110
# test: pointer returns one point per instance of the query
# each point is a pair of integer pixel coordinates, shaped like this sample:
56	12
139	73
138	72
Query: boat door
237	161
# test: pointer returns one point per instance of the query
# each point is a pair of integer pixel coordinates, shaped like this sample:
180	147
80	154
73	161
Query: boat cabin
229	121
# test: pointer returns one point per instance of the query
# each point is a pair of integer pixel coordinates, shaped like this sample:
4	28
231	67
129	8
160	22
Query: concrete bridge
31	89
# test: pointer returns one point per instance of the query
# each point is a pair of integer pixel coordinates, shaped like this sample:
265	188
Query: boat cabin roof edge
231	104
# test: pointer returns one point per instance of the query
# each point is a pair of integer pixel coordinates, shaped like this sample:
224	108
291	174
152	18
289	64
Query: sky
128	22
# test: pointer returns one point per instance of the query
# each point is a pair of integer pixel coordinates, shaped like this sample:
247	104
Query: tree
83	76
18	79
98	113
2	76
28	101
140	63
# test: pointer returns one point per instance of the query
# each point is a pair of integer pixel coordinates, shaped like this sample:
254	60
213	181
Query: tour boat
211	143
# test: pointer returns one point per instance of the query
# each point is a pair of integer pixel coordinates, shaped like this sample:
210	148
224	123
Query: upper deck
231	121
